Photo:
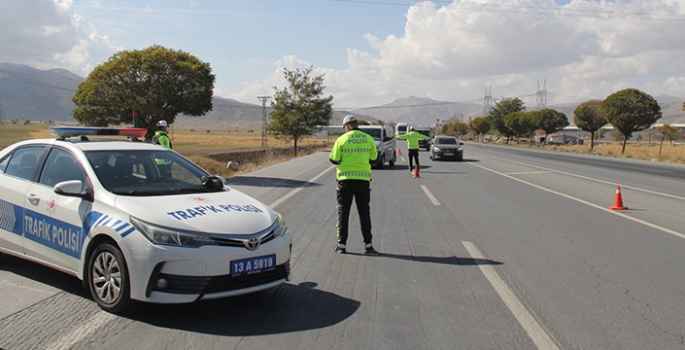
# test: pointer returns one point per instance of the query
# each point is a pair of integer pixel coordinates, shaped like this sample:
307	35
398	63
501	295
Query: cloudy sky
372	52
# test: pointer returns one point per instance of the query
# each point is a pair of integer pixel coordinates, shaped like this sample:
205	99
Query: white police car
136	221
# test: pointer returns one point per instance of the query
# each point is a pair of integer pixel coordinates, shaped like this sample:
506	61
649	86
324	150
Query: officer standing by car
353	152
412	138
162	136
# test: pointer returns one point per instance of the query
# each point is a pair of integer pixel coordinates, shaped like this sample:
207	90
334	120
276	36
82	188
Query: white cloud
47	34
583	50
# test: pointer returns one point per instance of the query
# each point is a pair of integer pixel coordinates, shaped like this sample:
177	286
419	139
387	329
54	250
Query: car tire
394	158
381	164
108	279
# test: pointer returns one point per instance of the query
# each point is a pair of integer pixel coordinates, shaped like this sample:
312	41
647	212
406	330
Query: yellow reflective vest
412	138
354	151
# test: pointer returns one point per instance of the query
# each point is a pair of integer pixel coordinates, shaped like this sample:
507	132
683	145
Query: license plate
252	265
447	154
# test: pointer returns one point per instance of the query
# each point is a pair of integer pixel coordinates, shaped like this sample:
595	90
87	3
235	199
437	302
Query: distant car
385	144
446	148
425	144
136	221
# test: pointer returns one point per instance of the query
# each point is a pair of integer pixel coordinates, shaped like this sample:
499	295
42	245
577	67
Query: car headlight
173	237
436	149
281	228
459	149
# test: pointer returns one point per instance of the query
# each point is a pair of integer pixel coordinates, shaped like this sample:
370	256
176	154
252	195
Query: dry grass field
670	153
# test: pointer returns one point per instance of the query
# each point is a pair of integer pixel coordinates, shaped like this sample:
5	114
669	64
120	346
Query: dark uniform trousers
413	155
360	190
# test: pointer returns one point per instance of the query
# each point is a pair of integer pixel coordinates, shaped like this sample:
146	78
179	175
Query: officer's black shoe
371	251
339	250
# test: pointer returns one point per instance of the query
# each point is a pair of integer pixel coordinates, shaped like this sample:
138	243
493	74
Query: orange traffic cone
399	151
416	172
618	202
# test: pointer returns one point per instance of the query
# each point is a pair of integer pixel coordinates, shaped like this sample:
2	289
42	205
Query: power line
537	10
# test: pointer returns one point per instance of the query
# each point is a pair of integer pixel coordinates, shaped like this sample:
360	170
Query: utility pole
2	112
541	95
264	99
487	101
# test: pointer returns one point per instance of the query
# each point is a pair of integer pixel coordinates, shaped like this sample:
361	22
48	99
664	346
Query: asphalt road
509	249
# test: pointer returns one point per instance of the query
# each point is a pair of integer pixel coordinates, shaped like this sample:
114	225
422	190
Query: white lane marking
70	339
646	223
534	330
430	195
295	191
585	177
529	172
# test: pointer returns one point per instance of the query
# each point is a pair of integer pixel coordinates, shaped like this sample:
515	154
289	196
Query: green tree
501	109
157	83
481	125
630	110
521	123
667	132
299	108
587	117
454	127
550	121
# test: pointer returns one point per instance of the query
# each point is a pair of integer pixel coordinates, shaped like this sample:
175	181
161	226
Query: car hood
226	212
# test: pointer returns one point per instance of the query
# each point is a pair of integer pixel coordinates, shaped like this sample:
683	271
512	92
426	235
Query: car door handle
33	199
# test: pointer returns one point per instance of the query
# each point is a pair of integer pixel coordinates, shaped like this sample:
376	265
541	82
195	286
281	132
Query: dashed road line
72	338
532	327
430	195
295	191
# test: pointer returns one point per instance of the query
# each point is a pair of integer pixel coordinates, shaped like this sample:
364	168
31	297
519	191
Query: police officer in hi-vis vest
412	138
353	151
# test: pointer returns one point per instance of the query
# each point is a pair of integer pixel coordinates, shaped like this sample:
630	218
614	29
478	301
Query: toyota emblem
252	243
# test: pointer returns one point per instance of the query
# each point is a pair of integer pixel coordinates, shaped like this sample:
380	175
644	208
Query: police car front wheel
108	279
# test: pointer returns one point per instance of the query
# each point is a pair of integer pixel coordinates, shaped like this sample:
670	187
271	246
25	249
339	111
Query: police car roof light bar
70	131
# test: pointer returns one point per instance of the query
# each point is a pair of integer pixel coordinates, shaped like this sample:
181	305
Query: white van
401	129
383	136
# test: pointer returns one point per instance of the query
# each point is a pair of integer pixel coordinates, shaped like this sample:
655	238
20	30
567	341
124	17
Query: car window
61	166
374	132
23	161
447	141
424	132
141	173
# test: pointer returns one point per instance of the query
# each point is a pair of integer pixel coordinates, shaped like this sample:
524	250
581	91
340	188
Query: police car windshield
374	132
147	173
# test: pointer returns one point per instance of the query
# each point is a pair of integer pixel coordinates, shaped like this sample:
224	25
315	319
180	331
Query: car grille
218	284
239	241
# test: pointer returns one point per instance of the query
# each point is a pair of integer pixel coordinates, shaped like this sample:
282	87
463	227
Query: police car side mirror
213	182
73	188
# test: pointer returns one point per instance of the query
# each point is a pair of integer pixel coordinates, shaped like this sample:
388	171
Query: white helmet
162	123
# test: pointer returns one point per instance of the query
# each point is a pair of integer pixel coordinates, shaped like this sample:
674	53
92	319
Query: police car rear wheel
108	279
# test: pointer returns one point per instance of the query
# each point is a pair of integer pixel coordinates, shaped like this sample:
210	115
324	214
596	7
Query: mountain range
27	93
